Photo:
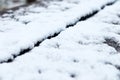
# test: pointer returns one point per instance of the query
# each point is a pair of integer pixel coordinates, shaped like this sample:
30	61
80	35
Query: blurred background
7	4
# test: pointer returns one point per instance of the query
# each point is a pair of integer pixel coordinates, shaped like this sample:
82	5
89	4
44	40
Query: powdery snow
16	36
77	53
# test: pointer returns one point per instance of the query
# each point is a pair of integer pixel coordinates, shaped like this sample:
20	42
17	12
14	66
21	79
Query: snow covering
77	53
15	35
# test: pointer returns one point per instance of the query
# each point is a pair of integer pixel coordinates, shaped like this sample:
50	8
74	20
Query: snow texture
16	36
77	53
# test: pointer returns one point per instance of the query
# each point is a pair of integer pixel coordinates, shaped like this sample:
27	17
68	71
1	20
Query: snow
77	53
43	24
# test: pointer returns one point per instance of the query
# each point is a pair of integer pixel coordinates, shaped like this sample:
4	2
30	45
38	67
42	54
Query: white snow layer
78	53
16	36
